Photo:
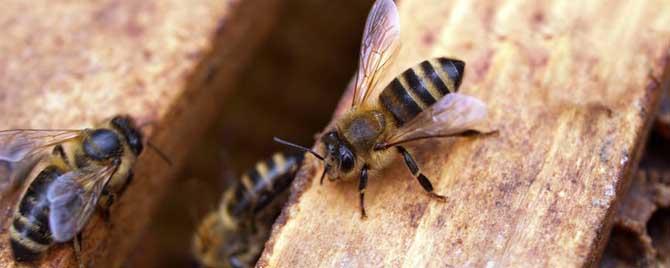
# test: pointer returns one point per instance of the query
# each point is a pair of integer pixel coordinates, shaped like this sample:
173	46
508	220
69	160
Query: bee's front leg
105	204
109	198
76	242
323	175
362	184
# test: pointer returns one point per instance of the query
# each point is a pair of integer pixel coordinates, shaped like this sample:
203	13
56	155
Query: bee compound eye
347	159
102	144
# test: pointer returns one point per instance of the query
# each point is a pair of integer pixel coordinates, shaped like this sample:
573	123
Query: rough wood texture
292	72
70	64
640	236
570	85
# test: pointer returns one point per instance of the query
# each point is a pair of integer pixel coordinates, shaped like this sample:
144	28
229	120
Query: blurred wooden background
289	89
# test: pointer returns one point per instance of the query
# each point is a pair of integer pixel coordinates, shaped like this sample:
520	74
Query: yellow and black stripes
416	172
226	237
421	86
261	184
30	234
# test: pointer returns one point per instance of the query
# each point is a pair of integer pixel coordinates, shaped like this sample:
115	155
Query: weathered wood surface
640	235
572	87
289	89
70	64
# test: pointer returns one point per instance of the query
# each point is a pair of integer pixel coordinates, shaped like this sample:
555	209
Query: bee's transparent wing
19	144
452	115
73	197
381	38
13	174
20	149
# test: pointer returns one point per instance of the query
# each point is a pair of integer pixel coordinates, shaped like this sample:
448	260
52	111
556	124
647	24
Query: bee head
126	125
339	156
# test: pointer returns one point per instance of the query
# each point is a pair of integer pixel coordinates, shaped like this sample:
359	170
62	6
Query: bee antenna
301	148
160	153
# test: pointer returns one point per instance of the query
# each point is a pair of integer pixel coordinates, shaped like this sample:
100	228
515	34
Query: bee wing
73	197
19	144
452	115
381	38
21	149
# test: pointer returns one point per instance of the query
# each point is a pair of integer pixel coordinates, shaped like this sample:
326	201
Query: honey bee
420	103
234	235
73	172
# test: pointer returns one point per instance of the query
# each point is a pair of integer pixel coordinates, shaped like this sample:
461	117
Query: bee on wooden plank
420	103
234	235
71	173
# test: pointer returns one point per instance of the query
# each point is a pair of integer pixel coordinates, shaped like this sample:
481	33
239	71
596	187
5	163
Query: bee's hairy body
420	103
234	235
368	125
115	141
360	130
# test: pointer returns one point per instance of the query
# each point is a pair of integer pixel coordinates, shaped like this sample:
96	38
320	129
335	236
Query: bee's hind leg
110	198
104	207
76	242
362	184
414	169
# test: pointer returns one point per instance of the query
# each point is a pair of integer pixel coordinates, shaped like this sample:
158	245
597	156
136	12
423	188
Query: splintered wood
571	86
70	64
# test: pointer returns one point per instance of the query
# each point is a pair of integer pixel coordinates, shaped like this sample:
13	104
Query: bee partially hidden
71	173
420	103
234	235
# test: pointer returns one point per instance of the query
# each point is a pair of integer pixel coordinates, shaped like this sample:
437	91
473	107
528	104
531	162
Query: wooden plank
70	64
570	85
294	60
640	235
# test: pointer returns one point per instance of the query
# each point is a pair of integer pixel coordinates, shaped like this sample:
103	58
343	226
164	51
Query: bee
420	103
75	172
234	235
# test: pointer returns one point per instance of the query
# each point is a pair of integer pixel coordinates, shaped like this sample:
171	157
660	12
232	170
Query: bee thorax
363	130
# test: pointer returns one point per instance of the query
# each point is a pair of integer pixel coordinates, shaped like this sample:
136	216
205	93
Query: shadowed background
289	90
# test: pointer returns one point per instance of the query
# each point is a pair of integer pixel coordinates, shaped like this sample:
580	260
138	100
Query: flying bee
420	103
234	235
77	171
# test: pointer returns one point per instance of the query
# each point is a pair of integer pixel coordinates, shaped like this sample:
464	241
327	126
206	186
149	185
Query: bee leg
77	249
104	207
362	184
414	169
323	175
129	179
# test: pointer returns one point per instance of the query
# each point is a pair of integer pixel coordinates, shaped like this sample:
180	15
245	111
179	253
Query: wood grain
68	64
572	87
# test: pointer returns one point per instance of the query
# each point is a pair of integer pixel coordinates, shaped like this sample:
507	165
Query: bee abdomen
27	241
30	234
260	185
421	86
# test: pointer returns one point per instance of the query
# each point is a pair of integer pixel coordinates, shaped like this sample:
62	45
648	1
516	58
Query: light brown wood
68	64
572	87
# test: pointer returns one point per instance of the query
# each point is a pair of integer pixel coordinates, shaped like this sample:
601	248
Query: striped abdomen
30	234
260	185
420	87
